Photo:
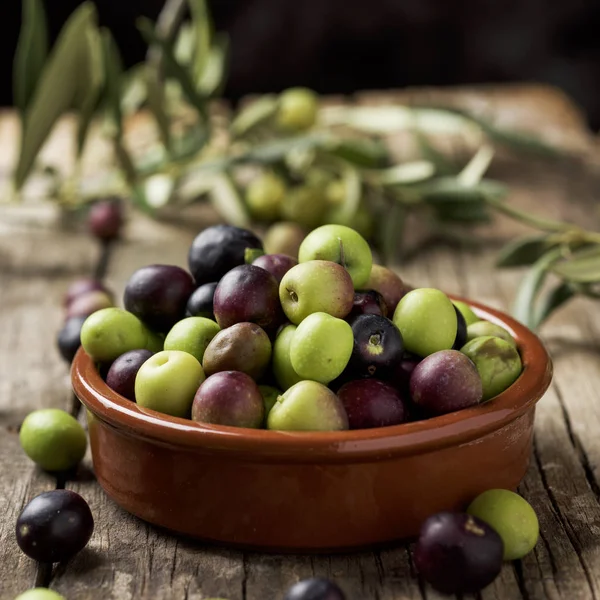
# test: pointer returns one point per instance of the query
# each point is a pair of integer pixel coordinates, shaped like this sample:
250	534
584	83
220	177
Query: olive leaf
457	211
353	188
213	76
91	80
524	304
253	114
582	266
523	251
113	78
405	174
157	103
475	169
553	299
227	200
515	140
30	54
202	37
57	88
363	152
390	231
449	189
173	68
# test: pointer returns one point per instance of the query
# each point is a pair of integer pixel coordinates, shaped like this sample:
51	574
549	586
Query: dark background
345	45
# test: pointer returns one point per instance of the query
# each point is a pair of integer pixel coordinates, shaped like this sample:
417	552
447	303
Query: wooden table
128	559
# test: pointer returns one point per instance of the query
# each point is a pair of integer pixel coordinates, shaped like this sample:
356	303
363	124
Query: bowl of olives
309	403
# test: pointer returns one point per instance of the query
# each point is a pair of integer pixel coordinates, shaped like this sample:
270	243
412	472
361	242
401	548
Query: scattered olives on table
54	526
53	439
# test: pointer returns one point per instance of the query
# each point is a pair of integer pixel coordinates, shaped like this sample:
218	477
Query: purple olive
54	526
105	219
69	338
445	381
88	303
315	588
122	372
277	264
217	250
229	398
200	303
158	295
458	553
367	302
248	294
372	403
378	347
403	371
83	286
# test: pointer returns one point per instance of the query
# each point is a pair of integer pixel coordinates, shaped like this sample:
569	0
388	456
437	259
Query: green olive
427	321
264	196
512	517
482	328
497	361
53	439
297	109
304	205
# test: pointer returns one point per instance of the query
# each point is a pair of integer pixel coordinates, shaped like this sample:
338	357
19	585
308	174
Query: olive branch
338	170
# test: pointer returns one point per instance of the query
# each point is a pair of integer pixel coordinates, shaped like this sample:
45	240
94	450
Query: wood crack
577	445
561	519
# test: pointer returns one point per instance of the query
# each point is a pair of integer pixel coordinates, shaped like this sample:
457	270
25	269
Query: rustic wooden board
129	559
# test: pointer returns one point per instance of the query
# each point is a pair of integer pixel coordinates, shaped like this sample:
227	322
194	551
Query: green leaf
202	37
551	301
113	79
365	152
457	211
443	165
213	75
91	81
30	54
405	174
390	234
516	140
157	103
228	202
582	266
475	169
448	189
185	44
523	251
134	89
253	114
353	189
173	68
524	304
57	88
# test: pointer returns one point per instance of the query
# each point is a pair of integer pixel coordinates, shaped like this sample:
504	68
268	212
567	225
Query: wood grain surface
128	559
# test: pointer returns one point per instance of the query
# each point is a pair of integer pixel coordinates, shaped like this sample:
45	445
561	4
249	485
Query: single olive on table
54	526
53	439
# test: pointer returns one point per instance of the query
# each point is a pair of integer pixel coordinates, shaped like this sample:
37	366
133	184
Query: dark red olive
105	219
54	526
458	553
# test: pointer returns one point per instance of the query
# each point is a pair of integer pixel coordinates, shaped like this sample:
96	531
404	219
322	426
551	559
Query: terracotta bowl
278	491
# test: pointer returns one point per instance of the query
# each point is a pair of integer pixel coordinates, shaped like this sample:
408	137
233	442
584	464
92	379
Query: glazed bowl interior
330	447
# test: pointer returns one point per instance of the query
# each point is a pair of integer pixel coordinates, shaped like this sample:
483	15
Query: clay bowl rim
326	447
